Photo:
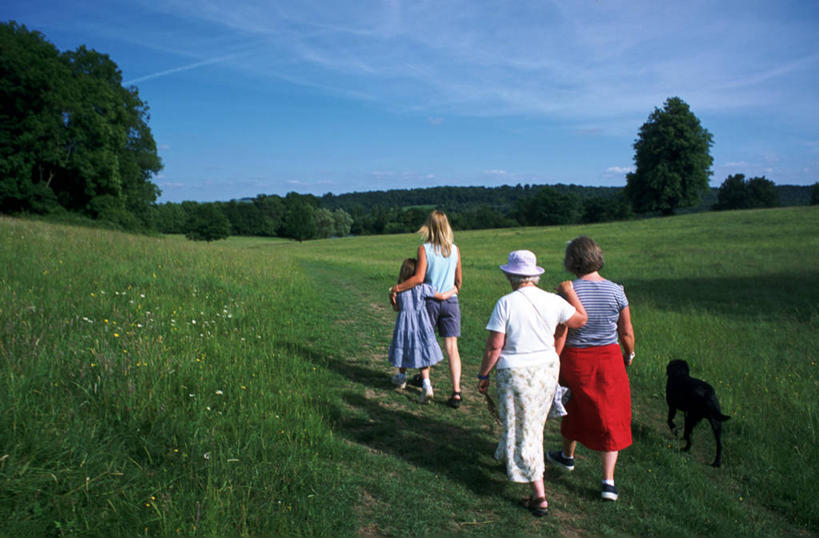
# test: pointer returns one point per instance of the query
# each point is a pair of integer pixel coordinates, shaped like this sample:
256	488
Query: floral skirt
524	398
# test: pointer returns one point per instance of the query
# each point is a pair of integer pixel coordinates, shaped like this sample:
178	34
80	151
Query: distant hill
457	199
506	197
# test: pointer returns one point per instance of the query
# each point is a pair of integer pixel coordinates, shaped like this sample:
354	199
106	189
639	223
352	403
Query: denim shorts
445	316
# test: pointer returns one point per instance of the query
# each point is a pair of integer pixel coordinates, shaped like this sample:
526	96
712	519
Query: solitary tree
672	160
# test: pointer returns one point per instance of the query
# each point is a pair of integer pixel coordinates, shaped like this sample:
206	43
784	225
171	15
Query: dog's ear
677	366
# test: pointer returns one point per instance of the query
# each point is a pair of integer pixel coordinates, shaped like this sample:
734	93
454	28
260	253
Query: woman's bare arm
418	277
626	333
560	338
491	353
566	290
458	273
446	295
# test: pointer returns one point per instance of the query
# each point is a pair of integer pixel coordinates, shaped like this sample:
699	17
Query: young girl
413	339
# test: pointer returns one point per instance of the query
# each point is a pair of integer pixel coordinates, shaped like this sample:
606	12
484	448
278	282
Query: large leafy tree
672	160
70	133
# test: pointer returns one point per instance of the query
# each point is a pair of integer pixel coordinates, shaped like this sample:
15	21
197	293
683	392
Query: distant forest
305	217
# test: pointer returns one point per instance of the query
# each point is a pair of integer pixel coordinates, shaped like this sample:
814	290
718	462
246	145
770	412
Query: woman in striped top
593	365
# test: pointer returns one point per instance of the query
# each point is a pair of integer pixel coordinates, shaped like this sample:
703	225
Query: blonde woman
439	264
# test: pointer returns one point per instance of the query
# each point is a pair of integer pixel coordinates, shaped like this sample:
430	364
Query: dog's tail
716	412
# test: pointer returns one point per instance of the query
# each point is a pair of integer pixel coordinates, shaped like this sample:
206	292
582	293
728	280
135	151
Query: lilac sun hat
523	263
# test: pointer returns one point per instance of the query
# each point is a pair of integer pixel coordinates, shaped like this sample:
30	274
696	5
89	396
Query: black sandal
454	402
533	505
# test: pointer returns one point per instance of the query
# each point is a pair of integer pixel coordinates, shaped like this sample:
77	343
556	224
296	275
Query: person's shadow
443	448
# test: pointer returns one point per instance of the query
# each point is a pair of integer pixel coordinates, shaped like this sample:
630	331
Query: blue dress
413	339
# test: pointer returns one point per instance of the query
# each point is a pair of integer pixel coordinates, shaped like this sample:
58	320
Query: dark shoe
417	380
609	493
533	505
556	457
454	402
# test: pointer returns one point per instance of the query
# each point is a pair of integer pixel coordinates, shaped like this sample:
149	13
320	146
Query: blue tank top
440	270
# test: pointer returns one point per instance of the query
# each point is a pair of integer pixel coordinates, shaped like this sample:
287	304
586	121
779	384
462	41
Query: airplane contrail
180	69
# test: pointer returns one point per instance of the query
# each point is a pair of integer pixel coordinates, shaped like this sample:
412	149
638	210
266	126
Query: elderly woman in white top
521	346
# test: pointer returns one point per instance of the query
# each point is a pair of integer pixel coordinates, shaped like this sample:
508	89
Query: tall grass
157	386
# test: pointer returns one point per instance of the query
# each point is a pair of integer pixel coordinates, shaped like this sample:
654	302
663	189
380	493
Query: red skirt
599	409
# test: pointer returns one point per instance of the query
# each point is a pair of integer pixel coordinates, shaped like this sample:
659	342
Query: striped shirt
603	301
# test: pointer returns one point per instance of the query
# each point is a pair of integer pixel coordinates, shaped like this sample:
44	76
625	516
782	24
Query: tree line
74	140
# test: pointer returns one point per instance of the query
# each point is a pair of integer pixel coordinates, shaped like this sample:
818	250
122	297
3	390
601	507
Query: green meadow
157	386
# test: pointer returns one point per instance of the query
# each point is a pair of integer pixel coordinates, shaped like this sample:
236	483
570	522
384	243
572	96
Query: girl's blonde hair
436	230
407	269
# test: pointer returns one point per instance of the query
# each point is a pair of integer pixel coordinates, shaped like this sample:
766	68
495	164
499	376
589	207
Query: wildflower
206	455
219	392
116	335
193	321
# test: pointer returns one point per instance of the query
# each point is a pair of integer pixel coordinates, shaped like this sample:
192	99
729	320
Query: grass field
158	386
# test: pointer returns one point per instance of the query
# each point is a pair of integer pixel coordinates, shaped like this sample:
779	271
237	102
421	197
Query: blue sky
260	97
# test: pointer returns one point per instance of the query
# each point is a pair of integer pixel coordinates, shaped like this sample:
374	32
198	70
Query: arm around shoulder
566	290
418	277
446	295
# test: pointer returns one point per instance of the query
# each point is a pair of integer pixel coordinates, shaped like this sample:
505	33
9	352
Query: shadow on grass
773	296
440	446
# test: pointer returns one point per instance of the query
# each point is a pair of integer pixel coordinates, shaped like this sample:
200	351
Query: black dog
697	400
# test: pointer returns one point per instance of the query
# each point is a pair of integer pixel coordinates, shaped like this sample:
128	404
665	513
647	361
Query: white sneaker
426	395
399	380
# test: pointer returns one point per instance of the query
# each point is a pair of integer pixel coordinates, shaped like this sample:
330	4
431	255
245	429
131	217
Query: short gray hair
518	280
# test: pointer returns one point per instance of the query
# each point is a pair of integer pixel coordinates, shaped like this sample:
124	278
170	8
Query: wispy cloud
188	67
619	169
470	57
